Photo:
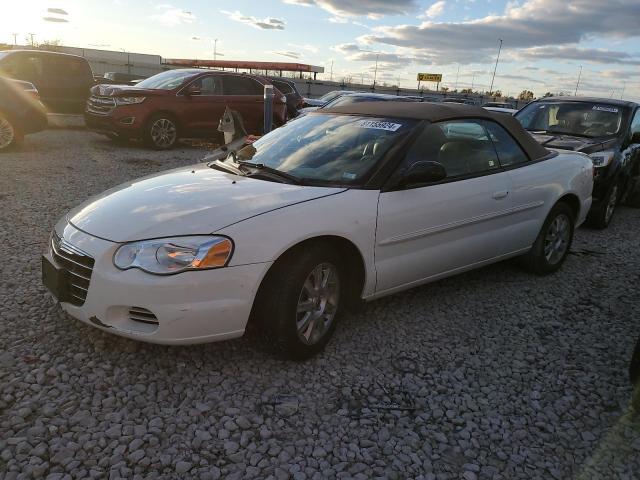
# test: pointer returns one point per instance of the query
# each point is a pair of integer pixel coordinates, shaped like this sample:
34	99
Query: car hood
569	142
186	201
114	90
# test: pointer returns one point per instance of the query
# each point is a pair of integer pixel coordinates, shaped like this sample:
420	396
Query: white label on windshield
349	176
606	109
390	127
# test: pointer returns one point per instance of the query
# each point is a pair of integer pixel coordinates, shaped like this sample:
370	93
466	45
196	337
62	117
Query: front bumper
122	121
191	307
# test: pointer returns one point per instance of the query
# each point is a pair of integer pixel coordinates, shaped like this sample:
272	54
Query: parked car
180	103
419	98
288	88
351	98
192	254
607	130
507	111
498	105
63	80
326	98
21	111
461	101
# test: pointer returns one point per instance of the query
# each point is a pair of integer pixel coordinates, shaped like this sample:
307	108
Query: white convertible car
344	205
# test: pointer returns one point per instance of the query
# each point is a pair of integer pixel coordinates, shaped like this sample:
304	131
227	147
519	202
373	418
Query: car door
433	230
69	80
200	110
246	96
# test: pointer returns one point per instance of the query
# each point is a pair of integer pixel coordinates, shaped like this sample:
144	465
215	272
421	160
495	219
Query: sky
546	43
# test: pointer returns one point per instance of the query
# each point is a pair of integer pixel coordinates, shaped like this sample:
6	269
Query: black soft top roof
437	112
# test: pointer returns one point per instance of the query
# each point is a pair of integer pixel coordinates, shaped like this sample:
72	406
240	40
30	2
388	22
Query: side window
509	152
284	88
27	67
237	85
635	123
462	147
209	85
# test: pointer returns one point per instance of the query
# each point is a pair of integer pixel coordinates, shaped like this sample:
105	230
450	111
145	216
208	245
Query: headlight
129	100
602	159
174	255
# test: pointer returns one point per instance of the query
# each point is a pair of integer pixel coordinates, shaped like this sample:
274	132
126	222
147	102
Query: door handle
500	195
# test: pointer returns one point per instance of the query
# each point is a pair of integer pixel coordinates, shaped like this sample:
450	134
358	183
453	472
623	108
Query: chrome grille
78	266
100	105
139	314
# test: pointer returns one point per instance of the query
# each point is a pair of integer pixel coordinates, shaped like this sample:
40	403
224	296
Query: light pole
331	74
473	79
15	38
215	49
457	75
495	68
375	73
624	85
578	82
32	35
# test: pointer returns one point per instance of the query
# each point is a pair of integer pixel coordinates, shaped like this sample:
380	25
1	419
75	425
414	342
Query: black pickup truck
605	129
63	80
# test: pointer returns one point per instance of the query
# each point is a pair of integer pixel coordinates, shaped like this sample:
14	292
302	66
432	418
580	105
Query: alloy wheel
318	303
163	133
7	133
611	204
557	239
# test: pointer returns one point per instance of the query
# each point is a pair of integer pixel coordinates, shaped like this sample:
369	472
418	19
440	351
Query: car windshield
324	148
585	119
332	95
166	80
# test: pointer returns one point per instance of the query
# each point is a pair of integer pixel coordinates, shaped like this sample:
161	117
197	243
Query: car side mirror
635	137
193	89
423	172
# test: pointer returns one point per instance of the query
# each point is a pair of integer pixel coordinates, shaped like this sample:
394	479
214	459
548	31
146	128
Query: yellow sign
429	77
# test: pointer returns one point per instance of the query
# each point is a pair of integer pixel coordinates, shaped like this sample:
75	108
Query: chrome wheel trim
7	133
557	239
163	132
611	204
318	303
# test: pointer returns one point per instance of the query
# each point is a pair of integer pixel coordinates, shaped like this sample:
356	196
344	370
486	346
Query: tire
557	231
9	135
298	316
601	217
161	132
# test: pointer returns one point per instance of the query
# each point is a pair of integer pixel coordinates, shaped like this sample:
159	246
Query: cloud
353	8
172	16
593	55
354	52
288	53
537	23
308	48
436	9
268	23
57	11
55	19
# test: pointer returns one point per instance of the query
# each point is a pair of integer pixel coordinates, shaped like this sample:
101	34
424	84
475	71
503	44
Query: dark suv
62	80
295	101
607	130
21	112
183	103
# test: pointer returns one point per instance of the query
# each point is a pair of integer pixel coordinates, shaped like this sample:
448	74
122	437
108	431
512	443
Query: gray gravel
492	374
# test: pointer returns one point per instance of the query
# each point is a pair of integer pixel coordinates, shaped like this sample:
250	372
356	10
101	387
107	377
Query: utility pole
331	74
457	75
578	82
15	38
215	49
624	85
32	35
495	68
473	79
375	73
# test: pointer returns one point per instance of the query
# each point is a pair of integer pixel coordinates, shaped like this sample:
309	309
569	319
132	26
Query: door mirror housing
193	89
423	172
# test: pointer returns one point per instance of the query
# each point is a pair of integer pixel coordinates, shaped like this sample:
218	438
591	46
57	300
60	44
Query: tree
548	94
444	89
466	90
526	95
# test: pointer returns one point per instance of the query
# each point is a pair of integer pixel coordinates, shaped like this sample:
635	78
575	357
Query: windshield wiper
225	167
265	168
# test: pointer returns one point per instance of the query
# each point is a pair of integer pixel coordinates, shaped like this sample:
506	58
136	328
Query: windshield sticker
606	109
349	176
388	126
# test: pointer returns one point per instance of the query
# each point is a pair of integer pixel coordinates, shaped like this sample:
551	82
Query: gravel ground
492	374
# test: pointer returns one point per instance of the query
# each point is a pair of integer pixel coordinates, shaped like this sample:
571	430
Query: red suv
183	103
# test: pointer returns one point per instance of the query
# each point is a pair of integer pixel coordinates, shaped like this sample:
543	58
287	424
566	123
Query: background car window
210	85
242	86
462	147
509	152
64	67
285	88
23	67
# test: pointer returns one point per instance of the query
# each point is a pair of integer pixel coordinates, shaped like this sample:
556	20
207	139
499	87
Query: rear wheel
8	133
553	243
300	305
161	132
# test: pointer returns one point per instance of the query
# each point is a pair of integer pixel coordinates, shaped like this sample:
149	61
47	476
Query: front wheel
553	243
600	217
161	132
8	133
300	305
